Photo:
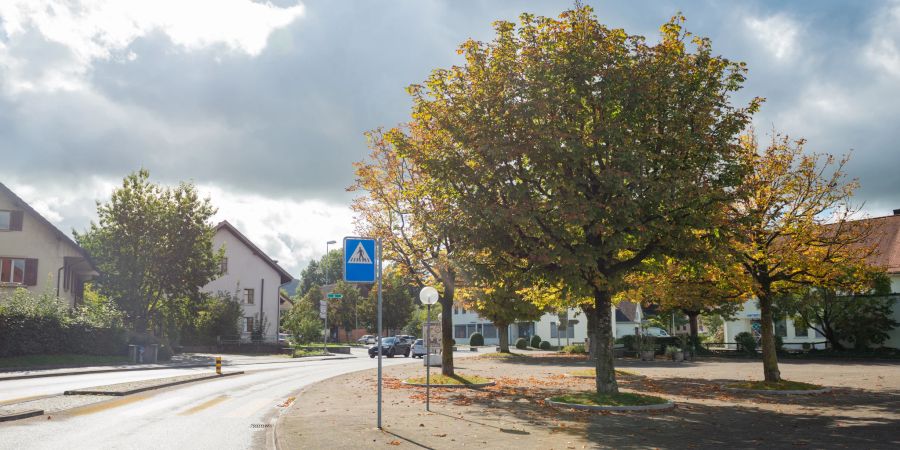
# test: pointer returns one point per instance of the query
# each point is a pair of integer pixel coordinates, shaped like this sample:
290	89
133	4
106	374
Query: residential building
36	255
253	277
886	239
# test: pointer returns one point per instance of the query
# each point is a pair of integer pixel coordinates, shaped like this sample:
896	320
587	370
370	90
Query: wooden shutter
31	272
15	220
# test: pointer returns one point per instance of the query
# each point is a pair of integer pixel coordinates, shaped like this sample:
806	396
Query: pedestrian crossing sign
359	260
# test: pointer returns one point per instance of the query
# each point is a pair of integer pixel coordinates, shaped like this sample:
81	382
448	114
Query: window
5	220
248	324
12	270
800	331
490	331
555	333
459	332
781	328
223	266
248	296
455	310
11	220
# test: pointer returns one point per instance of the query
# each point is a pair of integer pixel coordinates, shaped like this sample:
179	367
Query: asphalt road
229	413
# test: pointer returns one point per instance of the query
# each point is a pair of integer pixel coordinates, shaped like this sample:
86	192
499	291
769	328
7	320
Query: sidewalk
340	412
181	361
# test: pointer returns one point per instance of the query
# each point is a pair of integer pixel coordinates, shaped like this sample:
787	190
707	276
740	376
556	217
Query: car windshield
418	342
389	340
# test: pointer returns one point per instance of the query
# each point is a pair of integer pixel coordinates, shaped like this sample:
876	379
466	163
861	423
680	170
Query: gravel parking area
862	411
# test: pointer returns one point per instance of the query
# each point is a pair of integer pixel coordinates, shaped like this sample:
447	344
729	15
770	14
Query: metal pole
325	262
428	359
379	333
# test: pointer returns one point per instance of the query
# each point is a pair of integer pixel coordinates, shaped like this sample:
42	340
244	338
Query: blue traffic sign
359	260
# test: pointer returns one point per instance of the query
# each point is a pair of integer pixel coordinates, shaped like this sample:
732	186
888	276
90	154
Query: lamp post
325	262
428	296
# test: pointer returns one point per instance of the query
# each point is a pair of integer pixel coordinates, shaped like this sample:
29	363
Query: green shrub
574	348
629	341
521	344
535	341
746	342
544	345
452	341
779	344
476	339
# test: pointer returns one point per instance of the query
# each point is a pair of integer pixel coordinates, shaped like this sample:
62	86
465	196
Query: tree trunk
447	330
695	329
770	358
503	334
606	374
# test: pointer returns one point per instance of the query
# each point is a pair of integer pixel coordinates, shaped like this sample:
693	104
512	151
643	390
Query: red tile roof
886	237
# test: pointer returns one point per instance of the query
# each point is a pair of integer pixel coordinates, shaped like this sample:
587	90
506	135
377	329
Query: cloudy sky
263	104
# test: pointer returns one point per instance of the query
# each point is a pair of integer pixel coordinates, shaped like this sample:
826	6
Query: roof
886	237
628	311
59	234
285	276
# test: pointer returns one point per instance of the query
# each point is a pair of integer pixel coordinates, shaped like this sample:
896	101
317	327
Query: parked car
656	332
418	348
390	347
367	339
283	338
407	338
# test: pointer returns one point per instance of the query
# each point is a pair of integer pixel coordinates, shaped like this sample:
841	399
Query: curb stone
779	392
147	388
668	405
473	385
21	415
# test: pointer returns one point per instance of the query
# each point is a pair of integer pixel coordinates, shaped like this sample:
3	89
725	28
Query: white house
253	277
886	238
36	255
466	322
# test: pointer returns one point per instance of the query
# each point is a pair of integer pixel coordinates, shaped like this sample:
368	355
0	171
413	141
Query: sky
263	105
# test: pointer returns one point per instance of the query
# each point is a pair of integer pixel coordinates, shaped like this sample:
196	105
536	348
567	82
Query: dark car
390	347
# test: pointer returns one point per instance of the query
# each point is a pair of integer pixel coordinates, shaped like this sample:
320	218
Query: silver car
418	349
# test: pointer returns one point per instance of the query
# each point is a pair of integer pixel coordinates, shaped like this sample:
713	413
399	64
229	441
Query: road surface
229	413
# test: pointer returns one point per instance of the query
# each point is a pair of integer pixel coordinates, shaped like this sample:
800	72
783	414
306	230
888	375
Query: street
234	412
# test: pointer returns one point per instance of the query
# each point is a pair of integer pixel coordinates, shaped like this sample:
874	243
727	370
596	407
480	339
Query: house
626	319
253	277
886	238
36	255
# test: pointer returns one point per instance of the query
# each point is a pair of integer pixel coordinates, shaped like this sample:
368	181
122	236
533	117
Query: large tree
398	301
578	151
153	246
791	228
328	269
416	227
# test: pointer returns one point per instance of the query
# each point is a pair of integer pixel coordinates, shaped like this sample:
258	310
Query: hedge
22	336
535	341
476	340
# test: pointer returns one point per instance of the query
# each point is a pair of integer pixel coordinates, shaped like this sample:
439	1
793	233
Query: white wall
541	327
39	241
246	270
750	312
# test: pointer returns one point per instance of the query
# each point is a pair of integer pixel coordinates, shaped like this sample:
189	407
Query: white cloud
777	33
101	29
883	48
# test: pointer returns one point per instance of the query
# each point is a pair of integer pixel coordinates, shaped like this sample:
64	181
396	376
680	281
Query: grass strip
620	399
783	385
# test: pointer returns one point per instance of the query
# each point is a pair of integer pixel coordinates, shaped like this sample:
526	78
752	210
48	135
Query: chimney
897	212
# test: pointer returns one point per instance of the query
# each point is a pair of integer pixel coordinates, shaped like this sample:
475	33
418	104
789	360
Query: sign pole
379	332
428	359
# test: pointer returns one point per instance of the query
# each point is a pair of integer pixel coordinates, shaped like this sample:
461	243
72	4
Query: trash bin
133	354
151	351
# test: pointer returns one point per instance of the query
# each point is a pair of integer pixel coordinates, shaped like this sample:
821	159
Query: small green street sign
335	295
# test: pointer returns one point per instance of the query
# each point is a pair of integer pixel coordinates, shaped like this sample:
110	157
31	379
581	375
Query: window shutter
15	220
31	272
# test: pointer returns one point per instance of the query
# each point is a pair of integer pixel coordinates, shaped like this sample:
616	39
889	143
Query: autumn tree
792	227
343	312
397	205
578	151
153	246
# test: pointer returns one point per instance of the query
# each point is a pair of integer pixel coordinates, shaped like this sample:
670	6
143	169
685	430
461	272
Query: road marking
204	405
103	406
249	408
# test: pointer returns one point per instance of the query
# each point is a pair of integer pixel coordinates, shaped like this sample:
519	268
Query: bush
545	345
629	341
476	339
779	344
536	341
574	348
521	344
746	342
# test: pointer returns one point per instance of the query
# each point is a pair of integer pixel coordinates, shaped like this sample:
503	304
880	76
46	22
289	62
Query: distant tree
791	228
302	321
398	302
331	264
342	313
415	325
153	246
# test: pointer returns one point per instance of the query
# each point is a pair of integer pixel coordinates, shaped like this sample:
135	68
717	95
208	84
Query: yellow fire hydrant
218	365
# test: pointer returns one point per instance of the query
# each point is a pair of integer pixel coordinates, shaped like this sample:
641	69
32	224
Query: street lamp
325	263
428	296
